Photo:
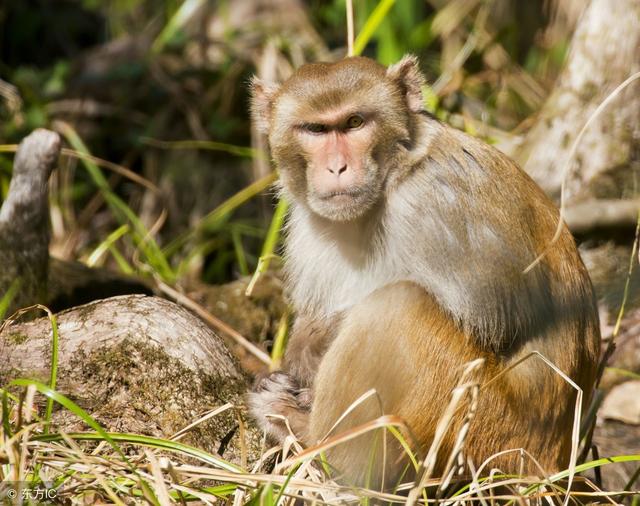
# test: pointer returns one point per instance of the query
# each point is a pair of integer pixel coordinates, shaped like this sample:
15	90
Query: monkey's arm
289	394
307	344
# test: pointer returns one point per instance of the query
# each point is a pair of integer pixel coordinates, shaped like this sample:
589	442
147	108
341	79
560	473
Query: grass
125	467
98	465
130	467
140	235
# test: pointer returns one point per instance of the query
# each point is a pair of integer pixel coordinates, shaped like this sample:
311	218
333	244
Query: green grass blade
53	377
123	265
222	491
8	296
270	243
280	342
105	245
565	474
273	234
371	25
152	442
184	13
286	482
266	496
241	257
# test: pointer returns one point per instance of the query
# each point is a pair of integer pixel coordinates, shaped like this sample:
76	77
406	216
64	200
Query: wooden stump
137	364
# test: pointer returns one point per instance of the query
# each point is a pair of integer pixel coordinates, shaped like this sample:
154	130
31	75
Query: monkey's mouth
342	204
341	194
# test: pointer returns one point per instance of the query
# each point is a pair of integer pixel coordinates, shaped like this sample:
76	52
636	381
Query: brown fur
401	343
398	290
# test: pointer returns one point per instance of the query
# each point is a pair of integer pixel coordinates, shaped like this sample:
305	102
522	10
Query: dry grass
98	467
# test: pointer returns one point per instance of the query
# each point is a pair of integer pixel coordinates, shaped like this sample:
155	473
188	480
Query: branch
601	213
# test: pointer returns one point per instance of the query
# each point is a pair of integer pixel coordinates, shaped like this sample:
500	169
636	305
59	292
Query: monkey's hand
277	397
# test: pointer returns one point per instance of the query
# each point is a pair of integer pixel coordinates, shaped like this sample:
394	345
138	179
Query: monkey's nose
337	171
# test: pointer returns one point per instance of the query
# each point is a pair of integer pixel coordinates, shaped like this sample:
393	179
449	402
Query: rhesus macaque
405	250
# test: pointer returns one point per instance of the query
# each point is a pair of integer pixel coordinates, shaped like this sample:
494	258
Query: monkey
406	246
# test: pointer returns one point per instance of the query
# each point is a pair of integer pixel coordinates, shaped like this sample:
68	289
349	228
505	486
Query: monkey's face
335	131
334	172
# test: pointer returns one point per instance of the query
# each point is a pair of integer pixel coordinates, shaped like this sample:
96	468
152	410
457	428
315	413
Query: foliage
160	178
125	77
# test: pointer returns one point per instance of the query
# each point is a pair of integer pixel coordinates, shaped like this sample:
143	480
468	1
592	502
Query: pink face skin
336	146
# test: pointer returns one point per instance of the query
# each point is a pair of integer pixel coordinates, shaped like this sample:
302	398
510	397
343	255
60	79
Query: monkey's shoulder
463	175
466	155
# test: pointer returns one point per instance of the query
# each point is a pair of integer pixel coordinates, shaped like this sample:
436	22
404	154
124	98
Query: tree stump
137	364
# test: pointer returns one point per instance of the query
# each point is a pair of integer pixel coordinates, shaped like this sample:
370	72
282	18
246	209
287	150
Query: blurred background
158	89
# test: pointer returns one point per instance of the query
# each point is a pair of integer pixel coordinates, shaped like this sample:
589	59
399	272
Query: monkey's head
337	129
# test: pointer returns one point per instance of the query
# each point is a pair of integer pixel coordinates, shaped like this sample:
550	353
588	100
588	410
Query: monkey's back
469	221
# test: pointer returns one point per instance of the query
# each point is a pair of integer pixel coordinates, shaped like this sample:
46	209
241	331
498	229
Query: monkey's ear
262	95
407	73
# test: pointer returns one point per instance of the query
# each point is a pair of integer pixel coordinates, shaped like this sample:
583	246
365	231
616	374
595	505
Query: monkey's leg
400	343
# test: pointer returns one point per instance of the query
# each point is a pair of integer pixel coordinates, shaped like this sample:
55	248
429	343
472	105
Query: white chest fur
333	266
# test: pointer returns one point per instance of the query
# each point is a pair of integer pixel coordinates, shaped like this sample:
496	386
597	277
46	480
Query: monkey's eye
315	128
355	121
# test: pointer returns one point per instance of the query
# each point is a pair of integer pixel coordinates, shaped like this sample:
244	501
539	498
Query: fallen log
137	364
